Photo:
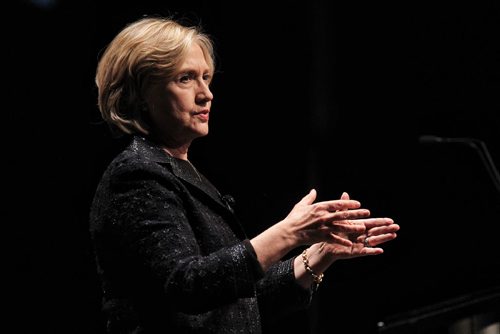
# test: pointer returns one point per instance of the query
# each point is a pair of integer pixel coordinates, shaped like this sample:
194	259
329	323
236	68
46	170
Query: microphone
478	145
229	201
429	139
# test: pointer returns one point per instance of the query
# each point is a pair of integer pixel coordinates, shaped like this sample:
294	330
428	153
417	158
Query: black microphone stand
478	145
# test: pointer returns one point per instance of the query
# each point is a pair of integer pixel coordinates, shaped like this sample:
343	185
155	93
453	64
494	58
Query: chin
202	133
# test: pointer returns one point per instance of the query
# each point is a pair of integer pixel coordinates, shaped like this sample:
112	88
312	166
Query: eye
184	78
207	77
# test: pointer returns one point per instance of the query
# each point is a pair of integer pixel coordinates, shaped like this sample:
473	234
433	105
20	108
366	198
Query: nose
204	93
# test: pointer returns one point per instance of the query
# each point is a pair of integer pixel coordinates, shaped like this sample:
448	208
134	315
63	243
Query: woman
170	251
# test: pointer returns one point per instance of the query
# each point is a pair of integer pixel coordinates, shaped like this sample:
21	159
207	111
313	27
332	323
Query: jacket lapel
153	152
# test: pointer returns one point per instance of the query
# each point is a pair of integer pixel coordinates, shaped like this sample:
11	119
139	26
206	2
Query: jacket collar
153	152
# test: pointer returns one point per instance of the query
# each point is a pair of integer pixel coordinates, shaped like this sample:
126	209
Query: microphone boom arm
478	145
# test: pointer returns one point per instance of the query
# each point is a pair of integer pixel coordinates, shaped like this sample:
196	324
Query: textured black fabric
172	256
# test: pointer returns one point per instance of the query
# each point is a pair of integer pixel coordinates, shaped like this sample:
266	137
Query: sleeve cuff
253	257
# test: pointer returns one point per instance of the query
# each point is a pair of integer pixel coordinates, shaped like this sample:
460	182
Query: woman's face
180	107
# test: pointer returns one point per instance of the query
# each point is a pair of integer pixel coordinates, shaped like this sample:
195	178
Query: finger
376	222
382	229
344	196
348	227
369	244
339	240
350	214
372	251
380	239
372	241
339	204
365	251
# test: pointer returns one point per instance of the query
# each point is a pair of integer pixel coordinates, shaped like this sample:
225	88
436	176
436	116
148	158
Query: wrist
316	276
272	244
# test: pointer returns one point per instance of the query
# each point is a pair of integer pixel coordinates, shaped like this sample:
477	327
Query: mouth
203	114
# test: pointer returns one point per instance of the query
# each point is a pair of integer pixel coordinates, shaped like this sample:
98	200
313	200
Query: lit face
180	107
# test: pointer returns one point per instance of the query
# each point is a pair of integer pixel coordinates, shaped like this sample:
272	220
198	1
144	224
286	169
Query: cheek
162	112
182	103
172	105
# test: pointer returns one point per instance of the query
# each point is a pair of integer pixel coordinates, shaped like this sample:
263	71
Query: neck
178	152
176	148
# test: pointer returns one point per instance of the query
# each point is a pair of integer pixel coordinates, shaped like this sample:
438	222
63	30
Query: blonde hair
146	51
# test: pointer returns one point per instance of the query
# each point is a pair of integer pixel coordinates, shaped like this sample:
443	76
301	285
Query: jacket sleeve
149	220
279	293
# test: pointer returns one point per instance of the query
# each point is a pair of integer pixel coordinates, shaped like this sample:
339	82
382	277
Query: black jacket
172	256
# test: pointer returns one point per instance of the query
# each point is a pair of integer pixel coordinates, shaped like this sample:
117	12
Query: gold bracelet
317	279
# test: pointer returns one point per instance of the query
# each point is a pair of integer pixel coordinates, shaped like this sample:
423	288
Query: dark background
330	95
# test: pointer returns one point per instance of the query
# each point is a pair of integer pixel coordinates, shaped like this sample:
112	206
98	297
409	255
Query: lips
203	115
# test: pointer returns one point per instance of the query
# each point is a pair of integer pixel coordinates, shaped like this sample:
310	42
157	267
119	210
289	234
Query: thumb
309	198
344	195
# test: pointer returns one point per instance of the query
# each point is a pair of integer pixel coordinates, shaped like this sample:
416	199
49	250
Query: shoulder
140	159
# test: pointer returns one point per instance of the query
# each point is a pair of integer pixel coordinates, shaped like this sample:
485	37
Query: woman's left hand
378	231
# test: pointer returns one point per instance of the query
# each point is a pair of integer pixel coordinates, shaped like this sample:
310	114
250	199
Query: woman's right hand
330	221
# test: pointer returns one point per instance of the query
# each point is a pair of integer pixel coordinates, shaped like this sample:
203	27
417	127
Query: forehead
196	58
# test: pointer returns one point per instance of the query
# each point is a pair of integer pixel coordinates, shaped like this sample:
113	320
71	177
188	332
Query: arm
154	225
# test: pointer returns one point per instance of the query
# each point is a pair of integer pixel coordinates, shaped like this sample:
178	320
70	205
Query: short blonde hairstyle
146	51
